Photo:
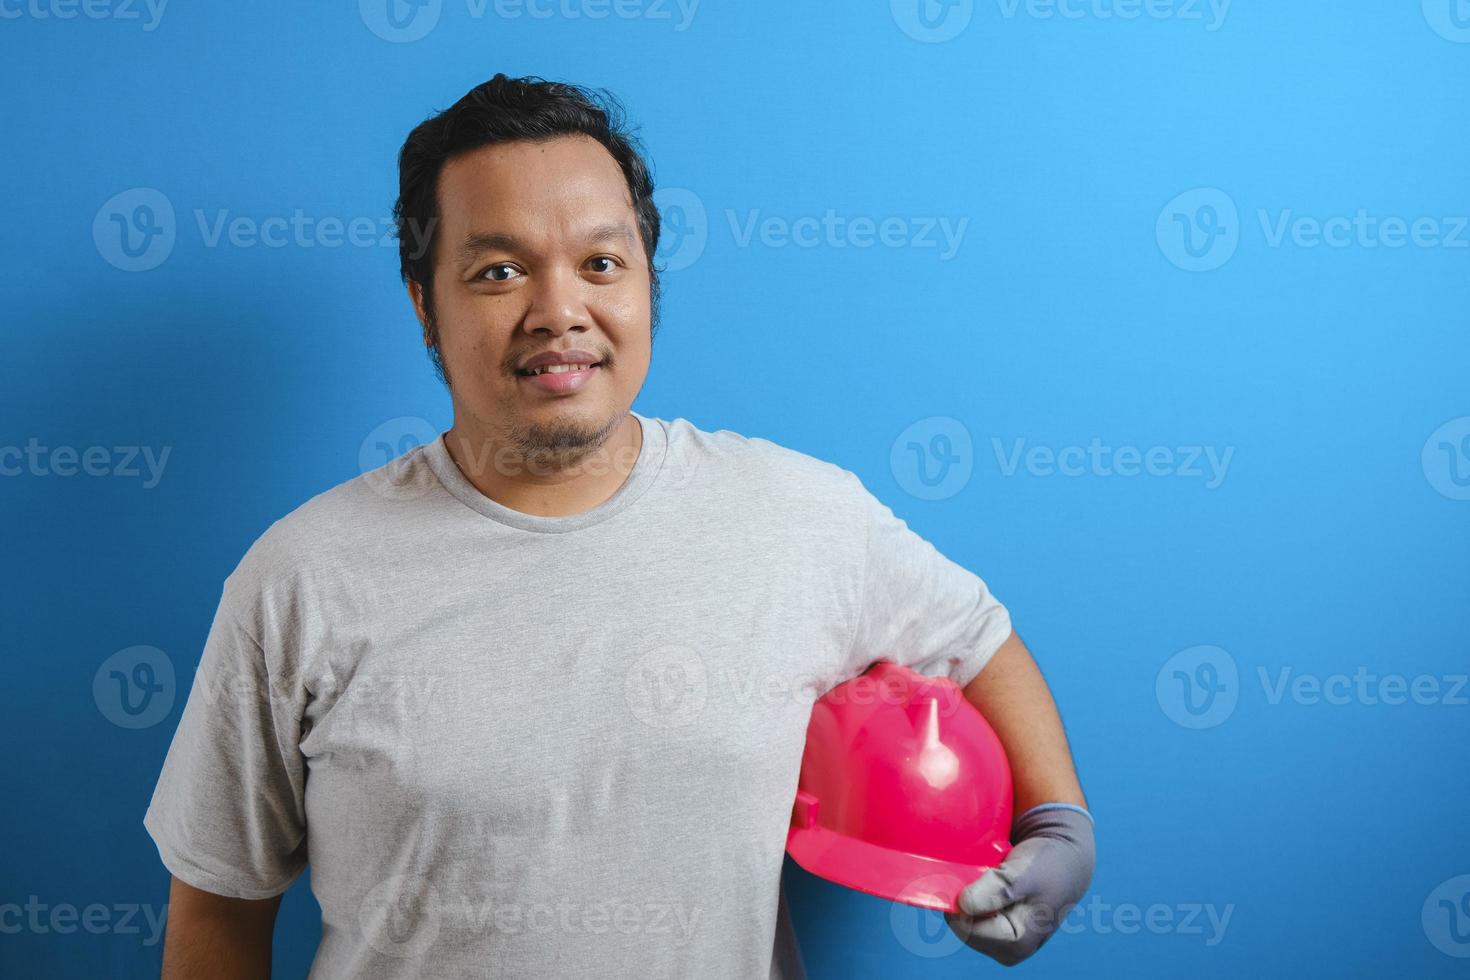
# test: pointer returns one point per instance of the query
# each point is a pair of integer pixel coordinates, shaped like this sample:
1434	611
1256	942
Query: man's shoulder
339	525
760	463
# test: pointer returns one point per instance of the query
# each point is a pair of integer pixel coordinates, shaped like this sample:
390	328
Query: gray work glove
1010	911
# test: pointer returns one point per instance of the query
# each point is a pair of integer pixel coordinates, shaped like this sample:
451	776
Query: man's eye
612	263
489	275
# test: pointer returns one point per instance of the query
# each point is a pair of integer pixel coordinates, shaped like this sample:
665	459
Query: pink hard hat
905	792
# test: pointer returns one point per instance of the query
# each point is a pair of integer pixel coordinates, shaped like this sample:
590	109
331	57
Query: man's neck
542	488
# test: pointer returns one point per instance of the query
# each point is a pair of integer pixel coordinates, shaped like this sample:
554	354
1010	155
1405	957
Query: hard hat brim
898	876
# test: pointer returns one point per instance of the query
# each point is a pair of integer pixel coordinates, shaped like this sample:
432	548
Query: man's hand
1008	912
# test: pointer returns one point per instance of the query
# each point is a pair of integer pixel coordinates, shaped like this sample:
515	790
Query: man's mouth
559	379
557	369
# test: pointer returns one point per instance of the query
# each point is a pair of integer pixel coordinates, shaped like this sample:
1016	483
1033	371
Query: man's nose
557	304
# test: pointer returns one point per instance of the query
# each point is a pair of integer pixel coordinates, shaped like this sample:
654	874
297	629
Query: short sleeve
918	608
228	811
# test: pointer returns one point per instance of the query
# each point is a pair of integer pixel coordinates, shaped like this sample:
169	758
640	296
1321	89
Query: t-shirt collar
645	469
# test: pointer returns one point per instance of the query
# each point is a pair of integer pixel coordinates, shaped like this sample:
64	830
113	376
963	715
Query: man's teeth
560	368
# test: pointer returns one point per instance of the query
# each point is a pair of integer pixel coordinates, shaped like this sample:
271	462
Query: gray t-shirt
521	746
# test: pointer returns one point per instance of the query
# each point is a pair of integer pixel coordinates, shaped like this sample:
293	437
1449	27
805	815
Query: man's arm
1010	911
1012	695
212	936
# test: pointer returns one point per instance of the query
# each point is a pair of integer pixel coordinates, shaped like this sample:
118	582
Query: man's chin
561	432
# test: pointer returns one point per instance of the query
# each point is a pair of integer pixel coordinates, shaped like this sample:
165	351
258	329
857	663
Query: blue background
1336	541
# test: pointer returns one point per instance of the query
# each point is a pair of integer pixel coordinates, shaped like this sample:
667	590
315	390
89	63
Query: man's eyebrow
484	241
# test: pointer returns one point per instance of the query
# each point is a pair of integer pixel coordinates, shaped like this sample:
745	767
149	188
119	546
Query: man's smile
559	372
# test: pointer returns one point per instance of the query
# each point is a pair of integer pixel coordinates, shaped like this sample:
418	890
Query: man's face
539	256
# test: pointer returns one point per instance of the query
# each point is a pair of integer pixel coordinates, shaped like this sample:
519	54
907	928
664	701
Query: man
532	698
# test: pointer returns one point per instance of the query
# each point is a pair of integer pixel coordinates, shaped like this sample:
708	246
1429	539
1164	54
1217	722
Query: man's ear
416	293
